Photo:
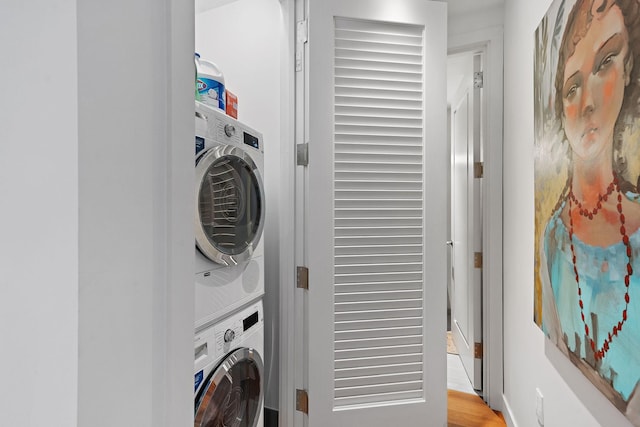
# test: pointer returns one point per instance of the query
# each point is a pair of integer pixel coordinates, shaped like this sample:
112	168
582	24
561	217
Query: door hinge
302	401
477	350
478	170
302	277
302	31
477	259
302	37
478	80
302	154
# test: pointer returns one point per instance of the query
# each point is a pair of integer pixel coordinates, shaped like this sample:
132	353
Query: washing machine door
232	394
229	205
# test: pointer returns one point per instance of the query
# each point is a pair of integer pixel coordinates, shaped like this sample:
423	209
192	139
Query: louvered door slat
369	343
363	44
377	222
377	148
368	250
351	69
378	351
363	288
378	37
377	370
376	213
378	240
379	259
372	111
379	388
378	314
374	398
343	84
391	304
365	102
373	139
378	268
378	56
371	29
374	204
379	130
375	194
379	379
361	64
355	325
378	333
380	92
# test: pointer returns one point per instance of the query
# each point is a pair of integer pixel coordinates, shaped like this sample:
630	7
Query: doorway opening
464	282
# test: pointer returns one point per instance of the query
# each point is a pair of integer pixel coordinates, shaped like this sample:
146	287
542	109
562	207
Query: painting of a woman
589	240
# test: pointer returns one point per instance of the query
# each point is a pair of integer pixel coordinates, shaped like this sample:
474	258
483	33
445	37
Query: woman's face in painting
594	82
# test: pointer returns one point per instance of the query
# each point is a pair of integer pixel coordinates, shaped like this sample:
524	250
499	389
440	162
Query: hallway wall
530	360
96	240
39	214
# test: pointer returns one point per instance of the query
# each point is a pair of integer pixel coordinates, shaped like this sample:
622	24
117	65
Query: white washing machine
229	371
229	215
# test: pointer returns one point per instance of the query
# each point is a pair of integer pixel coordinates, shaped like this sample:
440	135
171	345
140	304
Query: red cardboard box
231	104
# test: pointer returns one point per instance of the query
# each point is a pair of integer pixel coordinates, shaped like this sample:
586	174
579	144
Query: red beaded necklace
600	353
601	198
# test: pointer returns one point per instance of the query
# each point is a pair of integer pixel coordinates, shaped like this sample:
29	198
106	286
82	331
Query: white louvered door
376	203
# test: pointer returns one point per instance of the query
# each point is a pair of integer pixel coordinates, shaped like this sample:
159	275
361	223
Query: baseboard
508	413
270	417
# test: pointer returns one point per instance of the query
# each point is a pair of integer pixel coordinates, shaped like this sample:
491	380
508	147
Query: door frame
490	42
287	206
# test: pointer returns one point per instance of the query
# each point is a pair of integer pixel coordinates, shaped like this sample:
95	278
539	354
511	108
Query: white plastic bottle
210	83
195	76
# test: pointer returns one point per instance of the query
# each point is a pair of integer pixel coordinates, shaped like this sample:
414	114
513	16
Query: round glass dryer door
229	205
232	394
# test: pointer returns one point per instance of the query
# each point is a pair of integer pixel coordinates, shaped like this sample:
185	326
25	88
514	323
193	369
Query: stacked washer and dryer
229	276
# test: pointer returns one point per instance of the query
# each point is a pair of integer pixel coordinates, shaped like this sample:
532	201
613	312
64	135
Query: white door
466	310
375	229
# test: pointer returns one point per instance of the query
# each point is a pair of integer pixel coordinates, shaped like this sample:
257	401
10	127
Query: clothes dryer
229	371
229	215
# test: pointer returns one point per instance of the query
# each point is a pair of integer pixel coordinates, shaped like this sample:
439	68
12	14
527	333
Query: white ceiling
456	7
204	5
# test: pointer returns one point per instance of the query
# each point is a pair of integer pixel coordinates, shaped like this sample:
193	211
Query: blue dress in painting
602	272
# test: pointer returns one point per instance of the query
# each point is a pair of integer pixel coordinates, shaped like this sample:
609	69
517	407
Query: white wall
135	156
530	361
244	39
96	173
38	213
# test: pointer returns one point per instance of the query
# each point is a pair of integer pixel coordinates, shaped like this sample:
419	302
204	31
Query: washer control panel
231	330
215	124
235	133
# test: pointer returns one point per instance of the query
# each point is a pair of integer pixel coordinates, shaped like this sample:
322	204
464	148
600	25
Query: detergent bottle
209	83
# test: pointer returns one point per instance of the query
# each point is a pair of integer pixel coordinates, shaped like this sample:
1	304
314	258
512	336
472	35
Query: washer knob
229	130
229	335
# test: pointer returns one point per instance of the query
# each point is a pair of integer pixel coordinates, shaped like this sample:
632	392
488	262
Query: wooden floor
469	410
